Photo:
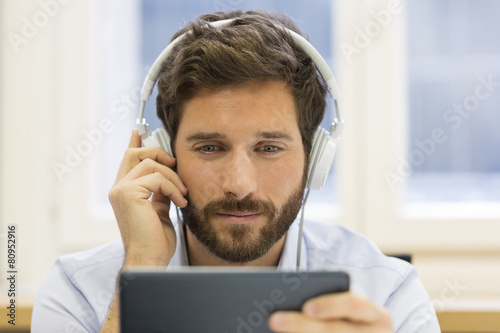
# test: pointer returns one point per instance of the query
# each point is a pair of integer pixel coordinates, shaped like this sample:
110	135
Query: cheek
281	179
202	182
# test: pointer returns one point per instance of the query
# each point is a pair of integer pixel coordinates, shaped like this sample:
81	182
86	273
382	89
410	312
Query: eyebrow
205	136
218	136
274	135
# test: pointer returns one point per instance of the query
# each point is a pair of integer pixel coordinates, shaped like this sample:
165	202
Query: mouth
239	217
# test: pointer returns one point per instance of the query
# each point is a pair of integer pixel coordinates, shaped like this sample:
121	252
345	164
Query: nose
239	178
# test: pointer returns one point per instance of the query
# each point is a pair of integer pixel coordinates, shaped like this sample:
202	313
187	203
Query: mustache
247	204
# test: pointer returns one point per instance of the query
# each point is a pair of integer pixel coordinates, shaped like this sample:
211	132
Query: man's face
240	154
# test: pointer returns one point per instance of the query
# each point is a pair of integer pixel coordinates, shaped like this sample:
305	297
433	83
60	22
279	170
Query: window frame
379	75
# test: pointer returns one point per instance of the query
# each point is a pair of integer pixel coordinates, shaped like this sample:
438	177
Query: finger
343	306
134	156
156	182
135	140
296	322
148	166
162	207
163	211
158	197
287	322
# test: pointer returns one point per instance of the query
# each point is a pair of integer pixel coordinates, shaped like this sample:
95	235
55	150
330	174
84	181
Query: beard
242	243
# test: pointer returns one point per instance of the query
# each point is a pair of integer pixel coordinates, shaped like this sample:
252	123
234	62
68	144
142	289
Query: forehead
263	106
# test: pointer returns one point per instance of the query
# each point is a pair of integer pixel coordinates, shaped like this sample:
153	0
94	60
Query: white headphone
324	142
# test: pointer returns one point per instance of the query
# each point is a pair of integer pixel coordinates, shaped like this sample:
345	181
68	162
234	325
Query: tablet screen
216	301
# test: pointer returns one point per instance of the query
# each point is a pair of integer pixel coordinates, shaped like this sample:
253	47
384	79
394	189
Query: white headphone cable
301	227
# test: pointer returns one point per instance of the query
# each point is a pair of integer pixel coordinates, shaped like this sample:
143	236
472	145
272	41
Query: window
408	75
454	91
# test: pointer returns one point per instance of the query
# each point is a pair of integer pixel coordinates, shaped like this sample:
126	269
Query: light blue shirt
77	294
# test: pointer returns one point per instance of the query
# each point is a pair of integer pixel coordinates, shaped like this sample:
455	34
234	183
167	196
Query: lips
239	217
239	214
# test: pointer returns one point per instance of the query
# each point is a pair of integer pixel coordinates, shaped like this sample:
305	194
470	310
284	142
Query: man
241	104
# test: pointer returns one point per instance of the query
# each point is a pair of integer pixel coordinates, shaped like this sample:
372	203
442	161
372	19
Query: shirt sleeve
414	309
61	307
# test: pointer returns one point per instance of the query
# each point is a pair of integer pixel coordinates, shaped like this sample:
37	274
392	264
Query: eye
270	149
208	149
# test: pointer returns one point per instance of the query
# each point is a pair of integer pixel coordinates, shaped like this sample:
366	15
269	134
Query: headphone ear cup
321	158
163	139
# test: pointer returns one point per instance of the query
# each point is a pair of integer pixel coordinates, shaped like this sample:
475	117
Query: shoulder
347	247
79	289
94	272
76	263
331	246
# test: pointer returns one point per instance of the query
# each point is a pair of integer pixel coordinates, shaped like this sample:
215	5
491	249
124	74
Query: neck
199	256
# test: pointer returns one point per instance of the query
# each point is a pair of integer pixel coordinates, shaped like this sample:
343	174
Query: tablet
216	301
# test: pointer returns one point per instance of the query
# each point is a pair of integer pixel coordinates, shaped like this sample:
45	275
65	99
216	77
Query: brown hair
250	49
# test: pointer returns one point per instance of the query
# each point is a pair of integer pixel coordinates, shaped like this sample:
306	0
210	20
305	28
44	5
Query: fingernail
278	319
311	309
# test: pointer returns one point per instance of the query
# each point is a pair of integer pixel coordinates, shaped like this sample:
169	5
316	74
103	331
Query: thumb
135	140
